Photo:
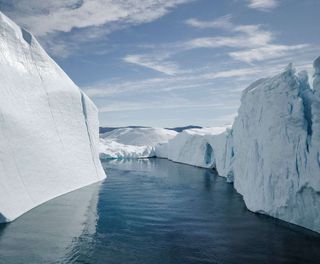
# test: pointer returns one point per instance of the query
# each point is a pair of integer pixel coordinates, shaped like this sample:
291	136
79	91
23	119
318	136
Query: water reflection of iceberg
55	227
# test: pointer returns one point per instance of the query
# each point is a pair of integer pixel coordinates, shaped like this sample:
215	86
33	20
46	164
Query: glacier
110	149
133	143
141	136
197	147
49	136
271	153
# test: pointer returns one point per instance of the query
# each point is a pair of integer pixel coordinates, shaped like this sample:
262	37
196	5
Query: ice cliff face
198	147
276	146
49	128
110	149
272	152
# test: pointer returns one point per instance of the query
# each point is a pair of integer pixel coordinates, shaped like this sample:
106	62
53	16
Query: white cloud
263	5
222	22
266	52
241	36
84	21
123	106
156	63
166	84
251	42
244	72
47	16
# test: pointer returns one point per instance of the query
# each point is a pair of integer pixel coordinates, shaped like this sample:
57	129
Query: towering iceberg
48	127
276	139
272	152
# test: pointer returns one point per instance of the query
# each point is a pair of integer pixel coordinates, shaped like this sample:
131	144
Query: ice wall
48	127
207	148
276	145
272	152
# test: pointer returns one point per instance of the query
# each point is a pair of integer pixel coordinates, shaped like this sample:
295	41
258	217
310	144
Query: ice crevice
85	116
26	36
209	155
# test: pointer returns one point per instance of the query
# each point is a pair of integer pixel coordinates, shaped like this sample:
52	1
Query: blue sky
169	63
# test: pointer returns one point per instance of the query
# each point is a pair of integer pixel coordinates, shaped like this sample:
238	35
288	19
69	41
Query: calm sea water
149	212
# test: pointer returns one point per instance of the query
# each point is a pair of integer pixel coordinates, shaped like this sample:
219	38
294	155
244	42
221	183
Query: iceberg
49	128
110	149
276	144
141	136
133	143
272	151
198	147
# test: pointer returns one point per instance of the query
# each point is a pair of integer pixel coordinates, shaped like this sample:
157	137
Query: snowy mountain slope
272	152
140	136
49	128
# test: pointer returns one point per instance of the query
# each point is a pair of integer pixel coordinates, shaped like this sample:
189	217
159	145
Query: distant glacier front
133	143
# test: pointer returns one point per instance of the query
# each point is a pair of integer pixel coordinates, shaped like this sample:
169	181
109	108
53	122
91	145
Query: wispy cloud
153	62
83	20
239	38
266	52
233	73
122	106
239	35
263	5
46	16
222	22
251	42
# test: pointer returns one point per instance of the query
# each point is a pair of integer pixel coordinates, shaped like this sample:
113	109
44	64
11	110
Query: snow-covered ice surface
132	143
140	136
110	149
272	152
49	128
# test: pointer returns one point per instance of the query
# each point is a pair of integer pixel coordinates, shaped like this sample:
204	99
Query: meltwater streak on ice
48	128
154	211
